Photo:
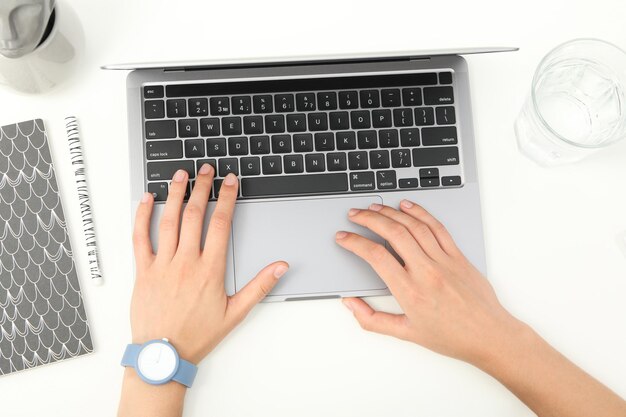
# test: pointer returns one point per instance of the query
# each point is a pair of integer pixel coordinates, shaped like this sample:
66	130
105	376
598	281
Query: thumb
377	321
256	290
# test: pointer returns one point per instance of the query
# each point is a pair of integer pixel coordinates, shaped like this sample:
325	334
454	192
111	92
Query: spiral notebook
42	316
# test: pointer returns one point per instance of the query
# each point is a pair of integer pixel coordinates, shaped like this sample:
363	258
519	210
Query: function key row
300	122
302	102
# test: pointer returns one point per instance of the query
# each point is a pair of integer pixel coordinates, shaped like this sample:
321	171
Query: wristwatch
157	362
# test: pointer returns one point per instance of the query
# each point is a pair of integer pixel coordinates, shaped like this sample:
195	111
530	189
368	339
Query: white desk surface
550	233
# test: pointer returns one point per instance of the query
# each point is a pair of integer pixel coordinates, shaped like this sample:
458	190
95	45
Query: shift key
165	170
426	157
160	129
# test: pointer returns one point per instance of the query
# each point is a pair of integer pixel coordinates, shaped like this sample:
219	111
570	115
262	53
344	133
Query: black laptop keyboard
306	136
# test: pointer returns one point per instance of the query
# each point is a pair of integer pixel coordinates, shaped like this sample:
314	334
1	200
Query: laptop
310	138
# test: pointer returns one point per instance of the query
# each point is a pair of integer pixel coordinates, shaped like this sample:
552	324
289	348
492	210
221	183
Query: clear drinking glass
577	103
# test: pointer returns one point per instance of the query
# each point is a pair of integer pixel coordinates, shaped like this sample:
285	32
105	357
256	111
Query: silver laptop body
300	229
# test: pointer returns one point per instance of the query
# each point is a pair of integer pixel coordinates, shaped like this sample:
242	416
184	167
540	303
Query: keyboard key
411	97
445	115
294	184
324	141
346	140
369	99
153	91
303	142
445	78
357	160
367	139
362	181
448	181
281	144
217	184
238	145
161	129
250	165
164	149
407	182
259	145
410	137
381	118
388	138
424	116
379	159
263	104
272	165
198	107
158	190
348	100
327	100
194	148
360	119
433	136
400	158
386	180
220	106
228	165
390	98
448	155
242	105
336	161
294	164
314	162
176	108
216	147
275	123
429	182
231	126
211	162
429	173
165	170
438	95
210	126
188	128
318	122
305	101
402	117
284	103
296	122
339	120
154	109
252	125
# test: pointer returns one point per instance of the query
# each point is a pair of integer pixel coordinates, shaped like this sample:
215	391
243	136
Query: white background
550	233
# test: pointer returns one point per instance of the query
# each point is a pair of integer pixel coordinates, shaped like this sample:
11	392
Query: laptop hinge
174	69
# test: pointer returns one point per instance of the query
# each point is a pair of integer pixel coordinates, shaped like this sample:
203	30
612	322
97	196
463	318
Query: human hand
179	291
449	307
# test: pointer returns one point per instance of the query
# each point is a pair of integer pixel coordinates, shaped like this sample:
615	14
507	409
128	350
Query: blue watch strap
130	355
185	374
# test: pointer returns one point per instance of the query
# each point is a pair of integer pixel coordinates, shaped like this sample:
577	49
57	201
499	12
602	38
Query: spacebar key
294	184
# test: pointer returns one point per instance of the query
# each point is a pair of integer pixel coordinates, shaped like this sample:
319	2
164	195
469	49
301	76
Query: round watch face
157	361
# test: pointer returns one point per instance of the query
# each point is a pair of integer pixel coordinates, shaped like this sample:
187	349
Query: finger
256	290
141	233
218	235
378	257
393	232
418	229
438	229
168	229
377	321
193	216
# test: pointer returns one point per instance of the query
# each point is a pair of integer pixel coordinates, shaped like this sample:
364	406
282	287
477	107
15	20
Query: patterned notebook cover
42	317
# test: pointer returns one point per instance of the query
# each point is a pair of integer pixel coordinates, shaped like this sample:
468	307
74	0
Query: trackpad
302	232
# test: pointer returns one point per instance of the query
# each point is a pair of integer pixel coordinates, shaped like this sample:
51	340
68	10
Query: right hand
449	307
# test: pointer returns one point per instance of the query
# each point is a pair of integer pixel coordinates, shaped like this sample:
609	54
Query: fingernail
347	304
146	197
376	207
406	204
352	212
280	270
340	235
204	169
231	179
180	175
